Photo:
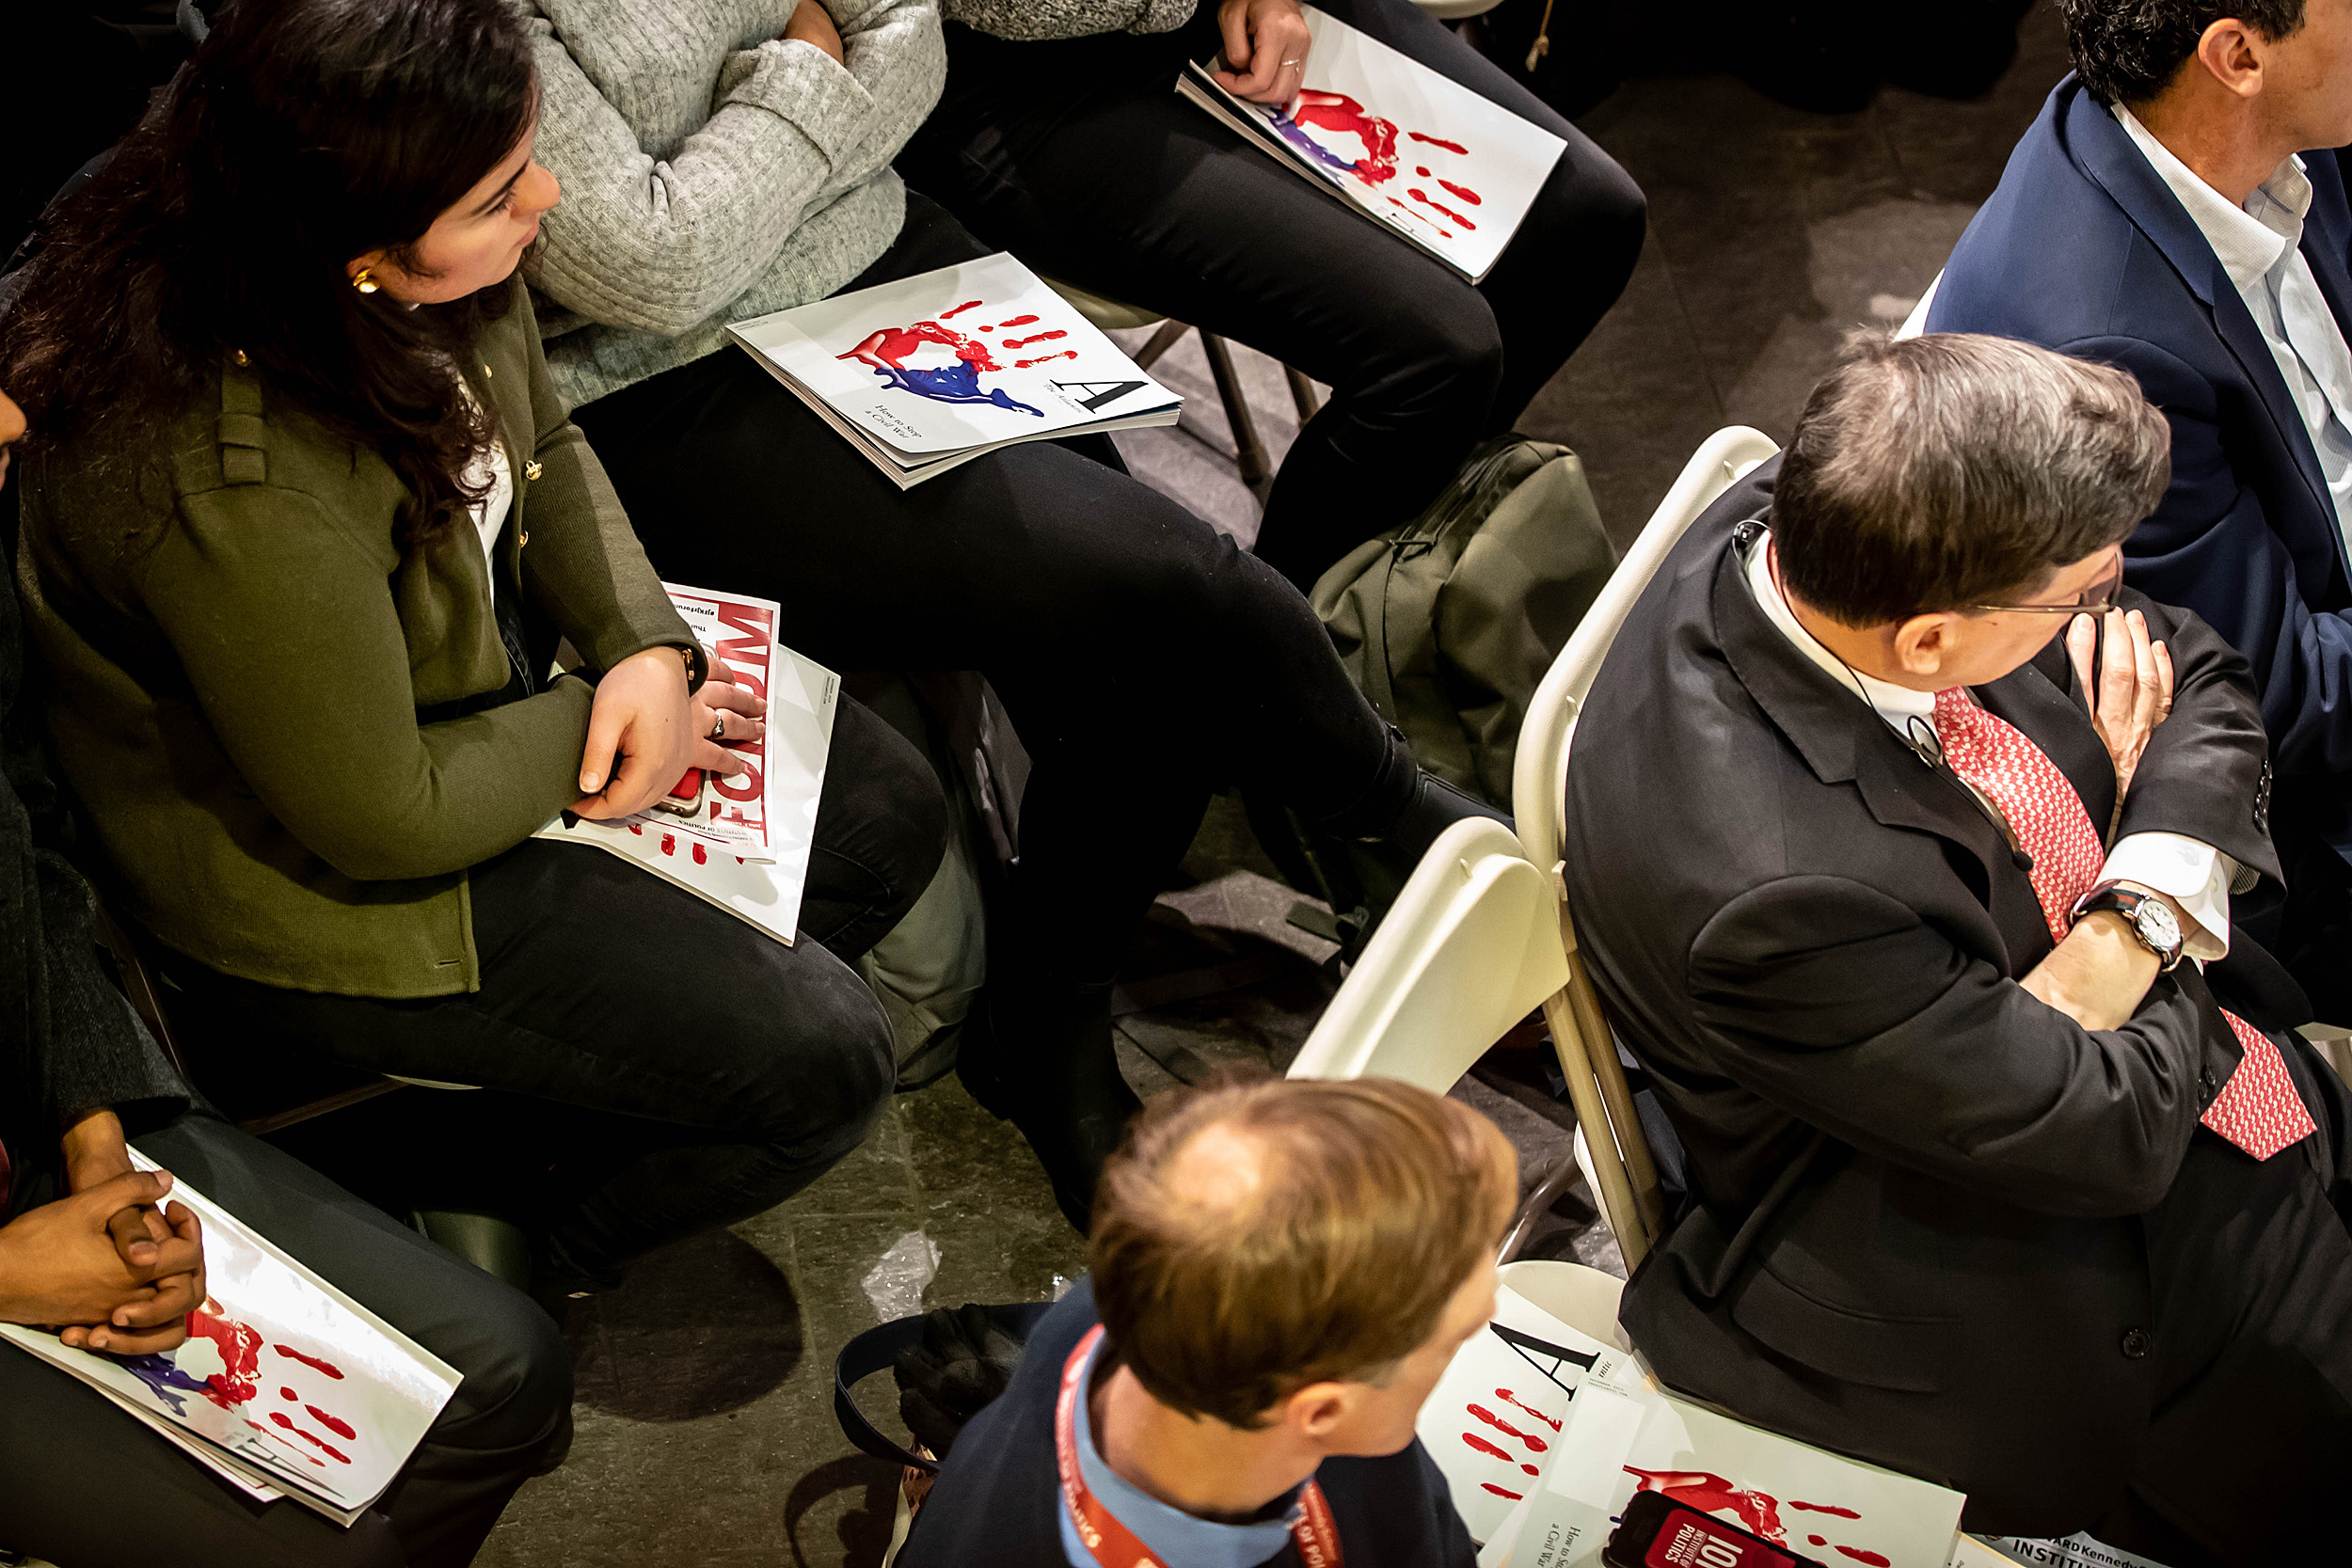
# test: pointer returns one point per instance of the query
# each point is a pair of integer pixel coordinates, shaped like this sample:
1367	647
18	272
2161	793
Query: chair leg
1248	452
1616	1193
138	983
261	1127
1160	342
1302	392
1600	1045
1538	1202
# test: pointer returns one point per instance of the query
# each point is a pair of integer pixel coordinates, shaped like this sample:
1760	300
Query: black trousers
1143	658
2250	1264
1078	156
661	1067
83	1485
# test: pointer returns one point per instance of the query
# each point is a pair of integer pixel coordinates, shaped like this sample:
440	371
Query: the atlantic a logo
1099	392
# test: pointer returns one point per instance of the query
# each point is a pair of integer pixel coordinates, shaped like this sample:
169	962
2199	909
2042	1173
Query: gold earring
361	282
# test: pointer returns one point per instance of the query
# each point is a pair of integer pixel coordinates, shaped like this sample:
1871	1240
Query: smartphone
1658	1532
686	796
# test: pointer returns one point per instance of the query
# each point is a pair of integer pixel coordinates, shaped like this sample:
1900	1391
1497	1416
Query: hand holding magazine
285	1387
1416	151
932	371
746	847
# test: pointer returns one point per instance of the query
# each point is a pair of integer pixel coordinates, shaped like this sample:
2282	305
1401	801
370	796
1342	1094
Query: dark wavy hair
301	133
2128	50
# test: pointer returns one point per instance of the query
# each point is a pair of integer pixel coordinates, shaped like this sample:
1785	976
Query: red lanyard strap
1113	1544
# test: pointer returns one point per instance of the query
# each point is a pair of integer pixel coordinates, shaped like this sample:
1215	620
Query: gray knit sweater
1067	19
711	173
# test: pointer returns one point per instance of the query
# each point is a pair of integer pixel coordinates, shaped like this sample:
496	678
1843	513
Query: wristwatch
2150	918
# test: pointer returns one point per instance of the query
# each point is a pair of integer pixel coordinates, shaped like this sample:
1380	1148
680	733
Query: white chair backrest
1469	949
1917	322
1583	1298
1540	774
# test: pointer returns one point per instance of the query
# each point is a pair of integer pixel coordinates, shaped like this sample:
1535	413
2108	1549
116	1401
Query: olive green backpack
1448	623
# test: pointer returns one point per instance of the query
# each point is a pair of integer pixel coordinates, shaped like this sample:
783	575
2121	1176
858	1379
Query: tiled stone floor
706	1429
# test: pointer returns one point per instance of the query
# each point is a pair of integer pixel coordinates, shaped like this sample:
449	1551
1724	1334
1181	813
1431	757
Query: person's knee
370	1542
517	1390
1592	207
902	790
833	1066
1441	362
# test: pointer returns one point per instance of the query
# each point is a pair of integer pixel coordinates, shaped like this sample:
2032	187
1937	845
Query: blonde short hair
1370	1203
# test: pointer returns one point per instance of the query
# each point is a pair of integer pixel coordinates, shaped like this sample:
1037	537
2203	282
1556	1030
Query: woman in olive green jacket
304	520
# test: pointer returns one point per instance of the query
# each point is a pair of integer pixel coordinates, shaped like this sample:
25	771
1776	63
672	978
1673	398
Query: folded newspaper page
1415	152
1494	1419
932	371
1625	1434
285	1384
747	849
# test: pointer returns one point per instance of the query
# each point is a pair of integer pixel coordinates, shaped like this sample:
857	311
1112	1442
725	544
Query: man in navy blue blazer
2178	211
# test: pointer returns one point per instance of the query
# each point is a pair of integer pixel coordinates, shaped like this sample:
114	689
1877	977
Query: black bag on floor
949	1363
1447	624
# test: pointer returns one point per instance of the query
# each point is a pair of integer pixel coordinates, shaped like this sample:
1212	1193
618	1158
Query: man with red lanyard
1281	1271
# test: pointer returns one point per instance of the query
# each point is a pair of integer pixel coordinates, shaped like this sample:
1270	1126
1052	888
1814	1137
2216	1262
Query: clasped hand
2132	691
110	1266
644	733
2100	974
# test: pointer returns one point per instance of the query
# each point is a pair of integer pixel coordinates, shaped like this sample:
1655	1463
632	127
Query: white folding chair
1612	1147
1464	953
1469	948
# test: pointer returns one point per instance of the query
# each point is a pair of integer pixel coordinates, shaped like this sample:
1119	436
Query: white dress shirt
489	514
2196	875
2257	244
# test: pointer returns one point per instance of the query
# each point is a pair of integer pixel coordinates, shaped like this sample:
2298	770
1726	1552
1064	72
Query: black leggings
1078	156
1143	658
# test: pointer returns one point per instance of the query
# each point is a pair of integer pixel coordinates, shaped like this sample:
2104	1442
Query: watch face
2154	918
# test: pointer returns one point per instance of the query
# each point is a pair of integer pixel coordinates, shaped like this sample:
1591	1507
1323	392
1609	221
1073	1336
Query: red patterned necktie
2257	1109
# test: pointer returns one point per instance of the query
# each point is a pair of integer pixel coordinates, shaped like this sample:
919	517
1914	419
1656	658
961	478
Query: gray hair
1956	469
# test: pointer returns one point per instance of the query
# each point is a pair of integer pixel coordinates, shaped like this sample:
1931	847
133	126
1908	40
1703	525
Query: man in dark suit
1986	1185
2176	211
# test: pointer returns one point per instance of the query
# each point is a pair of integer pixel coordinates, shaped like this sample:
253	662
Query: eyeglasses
2096	599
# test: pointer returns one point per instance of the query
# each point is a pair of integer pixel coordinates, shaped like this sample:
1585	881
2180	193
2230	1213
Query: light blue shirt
1178	1539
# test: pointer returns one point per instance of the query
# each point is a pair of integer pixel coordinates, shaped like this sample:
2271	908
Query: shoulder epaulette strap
244	433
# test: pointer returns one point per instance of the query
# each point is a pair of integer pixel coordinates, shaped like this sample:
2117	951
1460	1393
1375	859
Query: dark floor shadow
863	1532
700	1327
1201	998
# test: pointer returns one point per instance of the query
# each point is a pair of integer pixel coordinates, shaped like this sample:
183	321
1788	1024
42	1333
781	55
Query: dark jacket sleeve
1837	1003
2210	548
2205	769
69	1041
319	716
585	568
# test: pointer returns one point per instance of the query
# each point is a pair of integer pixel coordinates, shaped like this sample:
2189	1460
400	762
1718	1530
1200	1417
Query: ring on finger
717	726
